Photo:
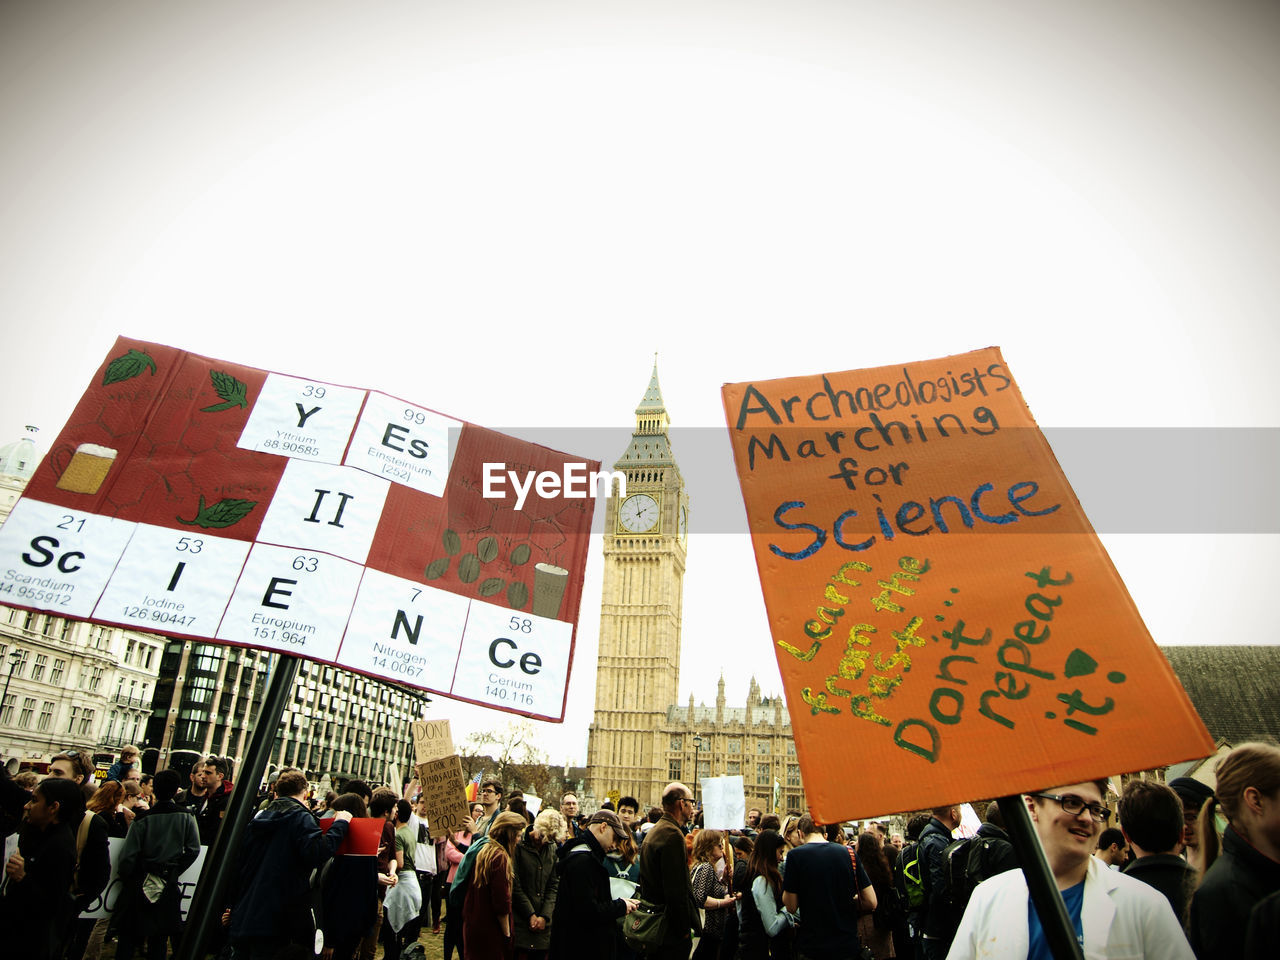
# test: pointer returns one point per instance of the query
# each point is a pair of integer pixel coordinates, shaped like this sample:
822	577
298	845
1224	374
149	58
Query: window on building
734	745
791	748
793	802
793	774
704	769
762	747
21	668
673	770
50	624
86	723
151	652
4	647
71	724
133	734
95	679
6	709
733	768
111	724
66	630
37	668
28	710
28	622
763	774
46	717
59	668
677	743
129	646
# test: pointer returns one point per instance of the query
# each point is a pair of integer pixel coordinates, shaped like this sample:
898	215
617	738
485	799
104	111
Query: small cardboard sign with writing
939	603
432	739
724	802
445	794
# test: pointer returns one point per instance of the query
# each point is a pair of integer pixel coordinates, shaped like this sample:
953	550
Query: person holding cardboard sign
1114	915
1249	865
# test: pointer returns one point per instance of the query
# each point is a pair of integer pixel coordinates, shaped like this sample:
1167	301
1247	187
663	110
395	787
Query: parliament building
641	737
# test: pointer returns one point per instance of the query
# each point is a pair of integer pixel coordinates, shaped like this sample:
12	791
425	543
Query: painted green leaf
517	595
232	391
1080	664
127	367
224	513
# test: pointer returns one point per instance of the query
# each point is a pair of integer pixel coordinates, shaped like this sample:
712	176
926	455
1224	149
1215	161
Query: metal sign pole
219	867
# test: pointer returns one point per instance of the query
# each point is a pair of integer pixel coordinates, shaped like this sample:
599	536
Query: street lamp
15	658
697	749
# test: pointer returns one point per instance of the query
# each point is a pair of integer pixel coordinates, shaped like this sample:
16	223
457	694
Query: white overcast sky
502	209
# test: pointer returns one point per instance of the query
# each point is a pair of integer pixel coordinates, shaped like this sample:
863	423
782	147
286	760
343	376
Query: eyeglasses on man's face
1073	806
489	791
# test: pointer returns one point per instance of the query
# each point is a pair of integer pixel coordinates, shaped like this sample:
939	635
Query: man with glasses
490	797
664	872
1114	915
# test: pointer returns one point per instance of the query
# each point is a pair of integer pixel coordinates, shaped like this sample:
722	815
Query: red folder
362	837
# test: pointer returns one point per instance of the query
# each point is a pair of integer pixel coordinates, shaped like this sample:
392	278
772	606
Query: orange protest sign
947	623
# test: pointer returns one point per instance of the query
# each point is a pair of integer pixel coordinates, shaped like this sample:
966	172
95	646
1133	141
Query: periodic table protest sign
209	500
947	623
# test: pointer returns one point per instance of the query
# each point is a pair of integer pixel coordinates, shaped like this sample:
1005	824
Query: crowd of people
1185	871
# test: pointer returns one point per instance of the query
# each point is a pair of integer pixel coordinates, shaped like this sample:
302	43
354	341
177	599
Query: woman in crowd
453	919
710	878
486	913
1248	867
533	894
350	891
872	857
622	864
448	856
737	852
133	805
764	927
107	803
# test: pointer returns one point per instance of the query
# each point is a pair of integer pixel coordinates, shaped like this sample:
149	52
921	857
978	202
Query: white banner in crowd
724	803
106	901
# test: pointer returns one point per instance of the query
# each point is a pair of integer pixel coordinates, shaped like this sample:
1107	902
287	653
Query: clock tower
638	673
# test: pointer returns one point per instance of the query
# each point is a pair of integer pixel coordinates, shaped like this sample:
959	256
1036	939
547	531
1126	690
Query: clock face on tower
638	513
683	523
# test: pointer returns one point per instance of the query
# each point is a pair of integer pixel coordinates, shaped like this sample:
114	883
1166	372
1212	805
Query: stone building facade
642	737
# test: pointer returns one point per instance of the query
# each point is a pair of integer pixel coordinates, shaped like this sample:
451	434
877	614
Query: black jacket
585	914
1171	875
281	846
1220	909
36	912
999	855
934	839
534	891
209	811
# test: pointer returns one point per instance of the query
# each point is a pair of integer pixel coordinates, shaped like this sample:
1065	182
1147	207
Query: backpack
908	876
965	866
